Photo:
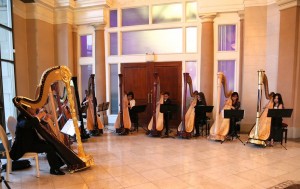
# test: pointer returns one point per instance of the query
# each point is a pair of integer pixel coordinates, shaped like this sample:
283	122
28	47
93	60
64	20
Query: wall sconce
149	57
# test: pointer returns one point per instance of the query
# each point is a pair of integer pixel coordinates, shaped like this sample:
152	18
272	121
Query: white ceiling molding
206	6
285	4
39	11
256	3
89	15
65	3
91	3
49	3
133	3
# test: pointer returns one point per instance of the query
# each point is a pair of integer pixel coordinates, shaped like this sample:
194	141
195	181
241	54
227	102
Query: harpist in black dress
200	117
276	123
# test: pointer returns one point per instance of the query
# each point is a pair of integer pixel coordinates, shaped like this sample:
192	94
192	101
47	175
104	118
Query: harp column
100	63
288	81
207	56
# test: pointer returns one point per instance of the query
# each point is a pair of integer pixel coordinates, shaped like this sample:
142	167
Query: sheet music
69	127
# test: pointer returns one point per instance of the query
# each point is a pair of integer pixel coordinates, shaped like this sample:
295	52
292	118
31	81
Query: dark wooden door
138	78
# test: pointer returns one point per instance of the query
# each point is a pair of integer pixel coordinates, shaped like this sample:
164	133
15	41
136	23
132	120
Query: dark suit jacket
26	136
168	101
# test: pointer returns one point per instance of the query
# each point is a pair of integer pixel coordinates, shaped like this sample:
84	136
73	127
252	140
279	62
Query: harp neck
155	97
223	81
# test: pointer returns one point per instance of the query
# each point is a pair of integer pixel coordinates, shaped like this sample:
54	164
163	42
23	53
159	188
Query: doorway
138	78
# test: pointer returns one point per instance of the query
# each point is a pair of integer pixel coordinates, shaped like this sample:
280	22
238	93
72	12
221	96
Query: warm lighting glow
191	11
191	40
135	16
167	13
158	41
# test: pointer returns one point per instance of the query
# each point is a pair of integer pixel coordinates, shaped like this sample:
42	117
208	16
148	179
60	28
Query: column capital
98	26
285	4
64	15
74	28
241	14
207	17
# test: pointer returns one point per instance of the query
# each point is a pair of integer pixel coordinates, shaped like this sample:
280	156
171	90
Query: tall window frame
117	56
227	51
185	23
7	107
85	61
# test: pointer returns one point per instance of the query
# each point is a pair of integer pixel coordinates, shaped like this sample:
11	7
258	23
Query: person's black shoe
56	172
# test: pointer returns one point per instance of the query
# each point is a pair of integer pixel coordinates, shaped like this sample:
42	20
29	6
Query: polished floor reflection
138	161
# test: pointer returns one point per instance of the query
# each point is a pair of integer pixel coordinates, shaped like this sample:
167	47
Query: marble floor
138	161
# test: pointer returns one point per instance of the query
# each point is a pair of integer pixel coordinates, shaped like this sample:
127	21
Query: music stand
201	109
137	110
167	109
103	107
280	113
235	115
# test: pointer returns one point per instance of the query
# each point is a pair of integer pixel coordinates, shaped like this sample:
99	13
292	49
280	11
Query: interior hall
150	94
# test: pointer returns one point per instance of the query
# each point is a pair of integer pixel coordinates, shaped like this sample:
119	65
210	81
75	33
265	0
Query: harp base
184	134
154	133
216	137
257	142
95	132
88	161
120	130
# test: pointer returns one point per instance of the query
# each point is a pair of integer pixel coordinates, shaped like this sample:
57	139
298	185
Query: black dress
167	116
133	116
276	129
200	117
232	130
